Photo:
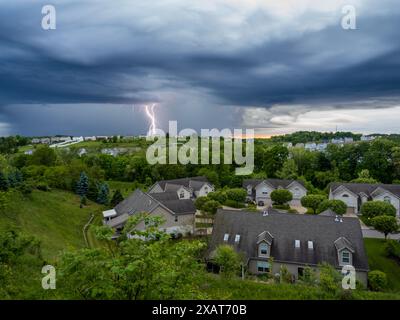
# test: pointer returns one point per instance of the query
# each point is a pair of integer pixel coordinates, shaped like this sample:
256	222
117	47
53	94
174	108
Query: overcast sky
276	66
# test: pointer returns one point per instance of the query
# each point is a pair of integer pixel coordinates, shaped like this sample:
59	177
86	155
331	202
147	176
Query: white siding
298	191
393	200
204	190
351	201
263	192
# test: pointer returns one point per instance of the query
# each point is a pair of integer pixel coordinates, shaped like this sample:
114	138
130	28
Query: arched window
345	195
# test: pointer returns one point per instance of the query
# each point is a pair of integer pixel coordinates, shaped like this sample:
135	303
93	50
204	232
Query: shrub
219	196
392	249
236	194
371	209
281	206
234	204
228	260
329	278
312	201
377	280
338	206
199	202
281	196
43	186
211	206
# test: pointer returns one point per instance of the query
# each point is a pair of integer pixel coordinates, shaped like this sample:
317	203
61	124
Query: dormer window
263	249
182	194
226	237
345	257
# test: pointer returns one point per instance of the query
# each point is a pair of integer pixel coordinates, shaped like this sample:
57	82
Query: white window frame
226	237
342	257
297	244
237	238
261	247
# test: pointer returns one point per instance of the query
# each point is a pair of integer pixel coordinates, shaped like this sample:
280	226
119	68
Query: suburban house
179	214
355	194
186	188
271	239
259	190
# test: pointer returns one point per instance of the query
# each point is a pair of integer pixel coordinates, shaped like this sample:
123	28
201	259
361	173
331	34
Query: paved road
370	233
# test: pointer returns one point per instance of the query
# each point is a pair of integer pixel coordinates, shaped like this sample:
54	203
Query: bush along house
272	239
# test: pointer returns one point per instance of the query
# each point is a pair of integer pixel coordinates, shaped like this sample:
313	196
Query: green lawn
378	261
216	287
53	217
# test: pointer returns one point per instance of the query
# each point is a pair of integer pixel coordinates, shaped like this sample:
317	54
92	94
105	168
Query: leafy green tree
281	196
329	278
312	201
274	158
82	185
200	201
103	194
211	206
4	201
236	194
371	209
289	170
116	198
364	177
219	196
228	260
385	224
4	185
44	156
338	206
148	266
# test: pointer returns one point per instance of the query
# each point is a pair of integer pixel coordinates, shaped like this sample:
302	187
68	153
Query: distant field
53	217
377	260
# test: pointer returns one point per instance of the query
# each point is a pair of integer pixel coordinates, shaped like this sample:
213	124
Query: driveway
371	233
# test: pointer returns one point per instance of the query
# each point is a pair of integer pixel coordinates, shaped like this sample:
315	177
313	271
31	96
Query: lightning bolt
150	113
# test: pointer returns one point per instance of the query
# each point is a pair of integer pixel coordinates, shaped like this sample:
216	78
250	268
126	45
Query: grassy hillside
377	260
53	217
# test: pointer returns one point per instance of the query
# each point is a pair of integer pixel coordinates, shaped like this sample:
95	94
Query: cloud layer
195	59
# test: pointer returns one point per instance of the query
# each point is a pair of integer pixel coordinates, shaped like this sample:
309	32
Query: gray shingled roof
343	243
367	188
284	183
183	182
265	236
286	228
138	201
160	196
179	207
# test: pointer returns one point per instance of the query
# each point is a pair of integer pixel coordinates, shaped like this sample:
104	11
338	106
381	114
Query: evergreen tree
4	185
82	186
116	198
93	191
102	196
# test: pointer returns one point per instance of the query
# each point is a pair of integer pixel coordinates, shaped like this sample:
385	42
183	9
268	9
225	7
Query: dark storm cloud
136	53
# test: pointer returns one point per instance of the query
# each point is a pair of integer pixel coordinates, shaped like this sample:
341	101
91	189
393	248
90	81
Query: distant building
367	138
29	152
92	138
81	152
321	146
311	146
337	141
348	140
